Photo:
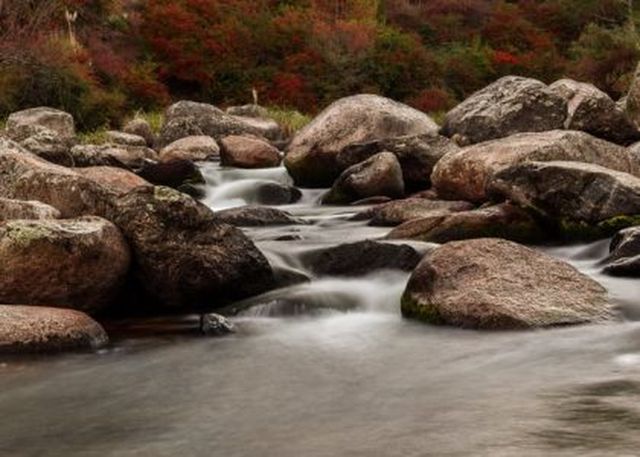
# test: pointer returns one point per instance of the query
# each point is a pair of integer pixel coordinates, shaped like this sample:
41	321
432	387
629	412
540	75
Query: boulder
593	111
125	139
23	209
266	127
86	155
183	258
464	175
50	146
23	124
255	216
195	148
569	190
187	118
495	284
381	175
248	152
140	127
25	329
117	180
500	221
311	156
361	258
75	263
251	110
180	174
512	104
417	155
624	257
396	212
273	193
24	176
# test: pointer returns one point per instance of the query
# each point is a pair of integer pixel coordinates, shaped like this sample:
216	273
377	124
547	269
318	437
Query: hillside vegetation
102	60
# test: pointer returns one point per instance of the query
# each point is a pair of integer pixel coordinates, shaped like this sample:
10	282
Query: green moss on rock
24	234
167	194
412	309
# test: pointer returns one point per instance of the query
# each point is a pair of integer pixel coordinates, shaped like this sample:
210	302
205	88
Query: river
330	369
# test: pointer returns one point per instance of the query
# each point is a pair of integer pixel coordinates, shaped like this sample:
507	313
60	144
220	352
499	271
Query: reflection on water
328	369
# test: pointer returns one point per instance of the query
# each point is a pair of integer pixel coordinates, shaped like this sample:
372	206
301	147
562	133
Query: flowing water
330	369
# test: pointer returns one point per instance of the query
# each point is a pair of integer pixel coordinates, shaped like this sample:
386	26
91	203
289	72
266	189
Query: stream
330	369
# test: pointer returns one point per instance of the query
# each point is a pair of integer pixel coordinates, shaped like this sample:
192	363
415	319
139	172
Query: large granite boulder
512	104
183	258
75	263
311	157
499	285
194	148
186	118
117	180
569	190
23	124
464	175
26	209
381	175
248	152
593	111
28	329
417	155
499	221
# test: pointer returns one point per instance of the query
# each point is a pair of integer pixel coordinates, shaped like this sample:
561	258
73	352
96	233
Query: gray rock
216	325
499	285
195	148
248	152
512	104
87	155
23	124
624	257
140	127
22	209
381	175
400	211
125	139
311	156
255	216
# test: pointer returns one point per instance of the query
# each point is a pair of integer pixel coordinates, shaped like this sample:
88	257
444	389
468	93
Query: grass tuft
289	119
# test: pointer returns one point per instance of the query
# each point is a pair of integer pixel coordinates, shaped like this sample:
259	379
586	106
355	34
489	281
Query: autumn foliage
101	59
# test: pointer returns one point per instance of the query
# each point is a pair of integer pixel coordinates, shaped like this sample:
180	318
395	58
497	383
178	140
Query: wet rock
26	329
23	209
499	221
362	258
495	284
195	148
76	263
87	155
464	175
311	157
23	124
272	193
187	118
377	200
117	180
24	176
125	139
399	211
512	104
624	257
594	112
381	175
183	258
141	127
216	325
570	190
248	152
180	174
255	216
417	155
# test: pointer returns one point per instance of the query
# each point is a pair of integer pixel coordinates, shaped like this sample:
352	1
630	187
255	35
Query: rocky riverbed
379	286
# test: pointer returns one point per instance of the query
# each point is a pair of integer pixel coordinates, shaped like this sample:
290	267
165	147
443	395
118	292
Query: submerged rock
594	112
216	325
381	175
183	257
248	152
464	175
75	263
26	209
417	155
510	105
624	257
362	258
500	221
41	329
311	157
499	285
272	193
255	216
